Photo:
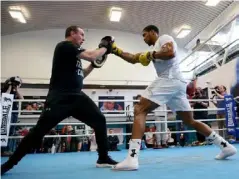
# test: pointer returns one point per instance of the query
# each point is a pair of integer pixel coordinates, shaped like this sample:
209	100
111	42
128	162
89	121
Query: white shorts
171	92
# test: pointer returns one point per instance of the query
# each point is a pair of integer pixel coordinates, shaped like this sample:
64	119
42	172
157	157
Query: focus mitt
107	42
98	63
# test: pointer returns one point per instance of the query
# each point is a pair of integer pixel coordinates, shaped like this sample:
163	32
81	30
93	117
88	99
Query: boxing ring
170	163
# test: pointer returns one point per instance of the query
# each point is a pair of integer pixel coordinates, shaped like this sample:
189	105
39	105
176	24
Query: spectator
113	141
70	144
200	114
48	142
12	86
93	144
220	92
170	140
150	138
161	138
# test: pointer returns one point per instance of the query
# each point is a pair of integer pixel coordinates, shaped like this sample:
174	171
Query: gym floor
172	163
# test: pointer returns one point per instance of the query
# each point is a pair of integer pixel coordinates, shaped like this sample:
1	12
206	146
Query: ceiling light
115	14
212	2
16	13
183	33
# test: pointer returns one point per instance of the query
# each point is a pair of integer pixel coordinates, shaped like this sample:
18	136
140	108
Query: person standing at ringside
65	97
169	88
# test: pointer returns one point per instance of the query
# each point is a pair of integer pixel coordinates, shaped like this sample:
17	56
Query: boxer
169	88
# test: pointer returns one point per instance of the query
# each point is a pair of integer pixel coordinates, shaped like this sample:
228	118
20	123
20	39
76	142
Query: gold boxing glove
146	58
115	50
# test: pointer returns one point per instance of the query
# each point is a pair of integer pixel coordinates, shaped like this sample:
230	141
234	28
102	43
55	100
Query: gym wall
224	75
30	56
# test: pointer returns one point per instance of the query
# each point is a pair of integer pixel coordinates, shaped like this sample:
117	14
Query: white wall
224	75
29	55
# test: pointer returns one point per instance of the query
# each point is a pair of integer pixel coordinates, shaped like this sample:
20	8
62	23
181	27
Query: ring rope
105	111
124	134
191	100
116	123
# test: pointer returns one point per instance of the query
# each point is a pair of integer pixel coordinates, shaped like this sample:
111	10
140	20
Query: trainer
65	97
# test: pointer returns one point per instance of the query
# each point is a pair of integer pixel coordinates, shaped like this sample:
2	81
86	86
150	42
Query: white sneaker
127	164
226	152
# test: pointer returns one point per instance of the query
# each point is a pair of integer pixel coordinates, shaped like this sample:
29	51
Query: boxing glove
98	63
146	58
107	42
115	50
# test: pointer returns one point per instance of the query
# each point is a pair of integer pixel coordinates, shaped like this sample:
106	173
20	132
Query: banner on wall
111	106
6	111
230	111
117	131
32	105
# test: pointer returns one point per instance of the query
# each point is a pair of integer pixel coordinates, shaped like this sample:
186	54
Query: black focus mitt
107	42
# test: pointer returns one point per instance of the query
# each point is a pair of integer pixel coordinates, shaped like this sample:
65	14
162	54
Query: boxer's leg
158	93
227	149
180	103
140	112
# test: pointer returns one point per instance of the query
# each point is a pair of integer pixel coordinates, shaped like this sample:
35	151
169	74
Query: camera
13	81
216	88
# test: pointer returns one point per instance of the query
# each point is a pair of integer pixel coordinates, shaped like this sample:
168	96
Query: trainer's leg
88	112
140	112
212	136
50	117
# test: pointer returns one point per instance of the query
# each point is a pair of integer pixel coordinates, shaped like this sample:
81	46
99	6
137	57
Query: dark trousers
57	108
11	142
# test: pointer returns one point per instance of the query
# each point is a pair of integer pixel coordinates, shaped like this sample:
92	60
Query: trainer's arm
92	55
88	70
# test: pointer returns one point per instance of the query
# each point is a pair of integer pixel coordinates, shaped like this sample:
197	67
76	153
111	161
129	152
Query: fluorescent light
183	33
16	13
212	2
115	14
16	8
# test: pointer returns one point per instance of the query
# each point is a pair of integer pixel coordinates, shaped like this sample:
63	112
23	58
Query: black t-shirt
198	105
67	72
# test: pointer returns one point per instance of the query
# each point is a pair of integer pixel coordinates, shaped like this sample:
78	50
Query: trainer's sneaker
227	151
107	162
6	167
127	165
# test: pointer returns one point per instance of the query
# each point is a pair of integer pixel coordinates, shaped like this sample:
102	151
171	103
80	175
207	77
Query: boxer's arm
166	52
88	70
130	58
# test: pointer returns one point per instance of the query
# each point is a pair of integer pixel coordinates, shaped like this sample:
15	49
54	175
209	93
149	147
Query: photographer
219	93
12	86
200	114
